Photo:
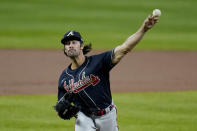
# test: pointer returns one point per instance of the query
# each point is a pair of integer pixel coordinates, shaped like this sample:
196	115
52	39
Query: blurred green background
34	24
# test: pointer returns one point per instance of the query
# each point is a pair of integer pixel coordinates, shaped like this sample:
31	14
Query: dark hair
87	48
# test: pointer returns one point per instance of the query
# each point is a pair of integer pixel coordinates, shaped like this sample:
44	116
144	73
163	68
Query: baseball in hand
156	13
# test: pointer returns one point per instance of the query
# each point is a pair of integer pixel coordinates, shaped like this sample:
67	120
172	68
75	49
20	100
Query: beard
72	53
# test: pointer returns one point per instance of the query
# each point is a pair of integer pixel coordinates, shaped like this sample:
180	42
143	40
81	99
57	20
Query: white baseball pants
107	122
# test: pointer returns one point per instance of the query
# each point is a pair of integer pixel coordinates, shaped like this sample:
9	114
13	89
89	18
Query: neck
77	61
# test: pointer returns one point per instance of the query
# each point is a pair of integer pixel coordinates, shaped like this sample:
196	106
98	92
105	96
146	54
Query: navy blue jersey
89	82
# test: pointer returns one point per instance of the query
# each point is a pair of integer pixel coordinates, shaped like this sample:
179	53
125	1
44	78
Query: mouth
72	53
71	50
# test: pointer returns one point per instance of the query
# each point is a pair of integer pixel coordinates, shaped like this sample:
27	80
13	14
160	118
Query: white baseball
156	13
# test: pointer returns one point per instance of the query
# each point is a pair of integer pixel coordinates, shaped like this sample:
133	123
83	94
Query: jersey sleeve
107	60
61	90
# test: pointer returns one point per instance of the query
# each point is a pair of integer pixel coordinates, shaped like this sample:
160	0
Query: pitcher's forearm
134	39
121	50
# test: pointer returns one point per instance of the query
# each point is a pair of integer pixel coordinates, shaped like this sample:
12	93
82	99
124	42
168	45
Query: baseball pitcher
84	87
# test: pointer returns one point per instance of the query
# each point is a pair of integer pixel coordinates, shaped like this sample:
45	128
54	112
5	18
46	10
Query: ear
81	46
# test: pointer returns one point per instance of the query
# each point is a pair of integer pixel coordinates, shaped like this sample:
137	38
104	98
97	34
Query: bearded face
72	48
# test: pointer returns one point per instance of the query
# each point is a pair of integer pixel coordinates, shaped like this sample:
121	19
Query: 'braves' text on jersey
89	82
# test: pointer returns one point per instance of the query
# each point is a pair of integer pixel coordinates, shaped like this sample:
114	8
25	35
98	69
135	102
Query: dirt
37	71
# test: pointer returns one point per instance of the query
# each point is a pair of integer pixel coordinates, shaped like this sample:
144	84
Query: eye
67	43
74	42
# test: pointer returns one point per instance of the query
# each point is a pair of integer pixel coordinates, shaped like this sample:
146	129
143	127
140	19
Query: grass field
166	111
33	24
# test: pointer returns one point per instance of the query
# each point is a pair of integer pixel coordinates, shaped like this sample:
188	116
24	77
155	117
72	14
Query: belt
103	111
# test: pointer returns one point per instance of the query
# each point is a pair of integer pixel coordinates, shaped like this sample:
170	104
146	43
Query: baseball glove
66	108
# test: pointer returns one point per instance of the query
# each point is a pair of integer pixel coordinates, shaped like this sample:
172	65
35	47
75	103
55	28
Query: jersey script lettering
81	84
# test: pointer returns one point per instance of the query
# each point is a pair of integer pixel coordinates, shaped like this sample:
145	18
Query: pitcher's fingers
156	20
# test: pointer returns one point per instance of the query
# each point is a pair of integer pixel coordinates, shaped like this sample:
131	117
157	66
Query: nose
70	45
